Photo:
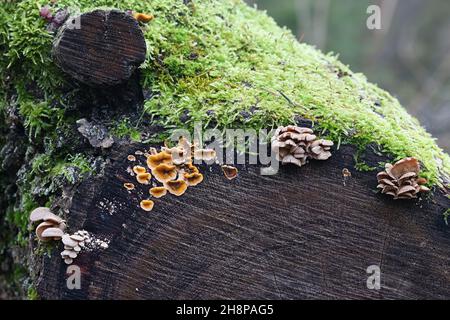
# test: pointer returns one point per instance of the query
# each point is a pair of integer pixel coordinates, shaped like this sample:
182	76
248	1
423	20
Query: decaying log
103	48
305	232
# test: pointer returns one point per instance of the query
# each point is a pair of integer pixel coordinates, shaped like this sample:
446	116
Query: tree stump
102	50
304	233
309	232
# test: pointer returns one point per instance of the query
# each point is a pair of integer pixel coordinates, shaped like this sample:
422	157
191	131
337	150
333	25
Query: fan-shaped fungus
190	168
401	180
160	158
165	172
158	192
176	187
147	205
193	179
131	158
41	228
144	178
52	233
229	172
38	214
129	186
139	169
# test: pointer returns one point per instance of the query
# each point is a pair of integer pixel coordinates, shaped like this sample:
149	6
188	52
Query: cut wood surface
302	233
105	50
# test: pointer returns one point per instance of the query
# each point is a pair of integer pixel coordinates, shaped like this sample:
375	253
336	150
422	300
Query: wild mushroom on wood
147	205
38	214
296	145
155	160
144	178
165	172
158	192
401	180
176	187
193	179
229	172
139	169
181	153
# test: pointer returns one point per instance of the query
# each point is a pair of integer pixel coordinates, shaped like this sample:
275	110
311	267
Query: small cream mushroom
76	237
38	214
41	228
52	233
68	261
69	241
52	218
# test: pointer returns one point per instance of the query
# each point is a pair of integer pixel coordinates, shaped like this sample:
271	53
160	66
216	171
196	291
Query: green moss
226	57
124	129
32	293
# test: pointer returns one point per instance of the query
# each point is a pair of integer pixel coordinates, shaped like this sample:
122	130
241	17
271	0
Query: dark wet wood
302	233
104	51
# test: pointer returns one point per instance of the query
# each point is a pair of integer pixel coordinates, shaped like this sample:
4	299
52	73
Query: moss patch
214	60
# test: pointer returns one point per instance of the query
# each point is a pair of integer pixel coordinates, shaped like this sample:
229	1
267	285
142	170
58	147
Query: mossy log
308	232
303	233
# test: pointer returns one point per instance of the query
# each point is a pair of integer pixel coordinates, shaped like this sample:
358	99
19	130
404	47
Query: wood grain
300	234
104	51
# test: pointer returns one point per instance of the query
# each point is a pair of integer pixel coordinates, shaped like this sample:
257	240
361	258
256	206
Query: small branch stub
104	50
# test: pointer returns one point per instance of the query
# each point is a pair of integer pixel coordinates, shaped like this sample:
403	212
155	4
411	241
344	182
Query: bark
302	233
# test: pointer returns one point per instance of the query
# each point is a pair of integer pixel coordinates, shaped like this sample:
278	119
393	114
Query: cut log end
100	48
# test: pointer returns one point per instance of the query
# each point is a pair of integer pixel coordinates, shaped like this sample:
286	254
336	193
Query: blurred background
409	56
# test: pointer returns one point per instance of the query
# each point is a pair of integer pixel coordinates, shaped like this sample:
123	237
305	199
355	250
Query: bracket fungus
172	167
129	186
147	205
296	145
155	160
176	187
229	172
144	178
401	179
165	172
158	192
51	227
193	179
139	169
